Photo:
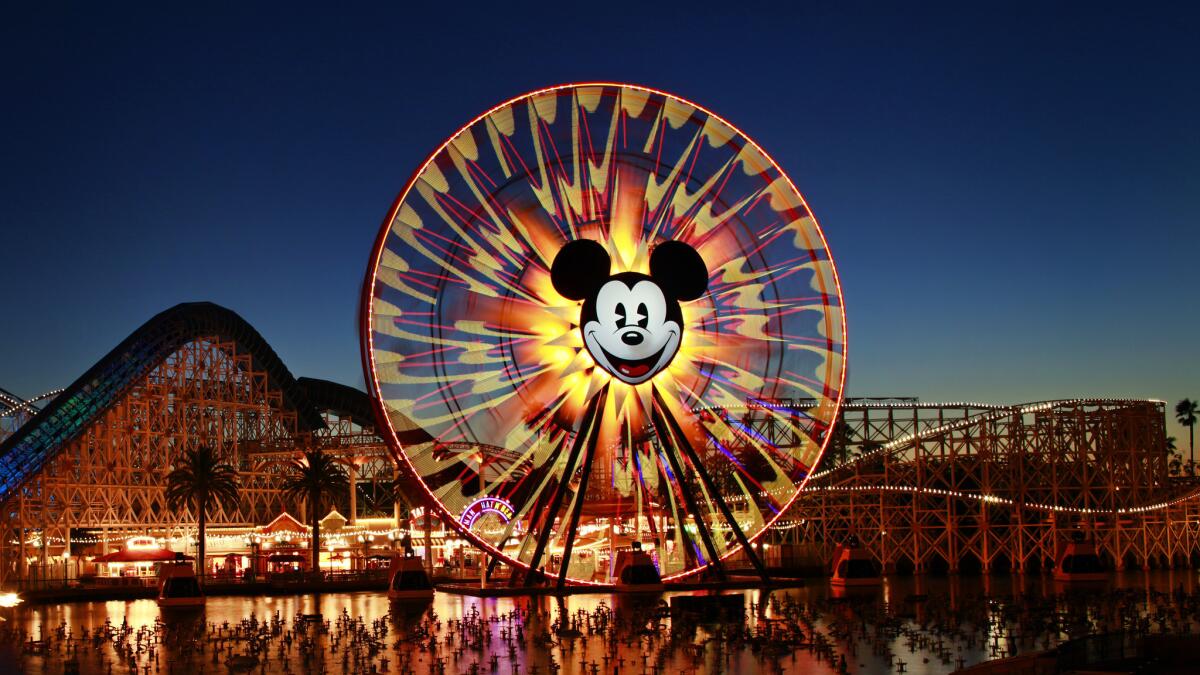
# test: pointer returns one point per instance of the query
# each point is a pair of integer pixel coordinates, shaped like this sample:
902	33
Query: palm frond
1185	412
315	475
202	479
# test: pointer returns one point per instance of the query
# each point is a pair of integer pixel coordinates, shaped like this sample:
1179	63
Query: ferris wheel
560	299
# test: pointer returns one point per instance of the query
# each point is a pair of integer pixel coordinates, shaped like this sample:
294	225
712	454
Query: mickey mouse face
628	332
631	323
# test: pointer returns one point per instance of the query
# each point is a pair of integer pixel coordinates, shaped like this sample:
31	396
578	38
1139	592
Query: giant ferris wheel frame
370	366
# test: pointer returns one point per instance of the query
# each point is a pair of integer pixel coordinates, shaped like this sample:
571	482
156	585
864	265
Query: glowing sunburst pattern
479	363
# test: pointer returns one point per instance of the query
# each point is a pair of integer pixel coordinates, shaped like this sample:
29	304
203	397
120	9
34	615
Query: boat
1080	563
634	571
409	580
853	566
178	586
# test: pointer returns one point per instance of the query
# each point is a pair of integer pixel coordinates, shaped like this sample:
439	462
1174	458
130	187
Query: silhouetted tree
199	480
312	477
1185	414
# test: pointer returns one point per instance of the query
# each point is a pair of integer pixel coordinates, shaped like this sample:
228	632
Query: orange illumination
718	365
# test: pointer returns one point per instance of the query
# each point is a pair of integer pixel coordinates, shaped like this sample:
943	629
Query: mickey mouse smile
631	322
632	370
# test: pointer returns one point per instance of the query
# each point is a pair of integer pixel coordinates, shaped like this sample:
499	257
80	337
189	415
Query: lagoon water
923	624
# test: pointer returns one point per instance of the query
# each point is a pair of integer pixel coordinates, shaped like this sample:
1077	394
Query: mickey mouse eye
622	315
643	315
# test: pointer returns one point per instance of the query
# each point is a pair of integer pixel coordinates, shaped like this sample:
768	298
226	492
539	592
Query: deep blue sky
1011	190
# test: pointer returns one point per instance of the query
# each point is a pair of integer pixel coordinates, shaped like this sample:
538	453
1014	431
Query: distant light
9	600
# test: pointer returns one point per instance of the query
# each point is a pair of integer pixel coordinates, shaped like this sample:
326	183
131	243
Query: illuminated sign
631	323
484	505
141	544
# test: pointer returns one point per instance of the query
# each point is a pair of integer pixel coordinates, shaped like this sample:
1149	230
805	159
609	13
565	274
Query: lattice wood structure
969	486
96	458
348	434
112	477
922	486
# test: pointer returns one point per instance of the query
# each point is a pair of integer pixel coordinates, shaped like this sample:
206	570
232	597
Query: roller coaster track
995	412
845	478
27	450
8	398
826	480
15	411
17	405
1000	486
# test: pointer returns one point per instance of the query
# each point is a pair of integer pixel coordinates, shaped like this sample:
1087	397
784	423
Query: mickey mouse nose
632	338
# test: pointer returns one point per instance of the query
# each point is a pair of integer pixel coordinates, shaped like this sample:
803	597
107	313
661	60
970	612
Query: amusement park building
90	465
922	486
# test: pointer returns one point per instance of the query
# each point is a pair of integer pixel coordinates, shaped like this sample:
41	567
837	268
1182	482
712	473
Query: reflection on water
932	625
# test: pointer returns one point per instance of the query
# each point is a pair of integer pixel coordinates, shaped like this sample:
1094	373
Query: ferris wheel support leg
491	566
683	443
539	508
589	427
589	454
661	415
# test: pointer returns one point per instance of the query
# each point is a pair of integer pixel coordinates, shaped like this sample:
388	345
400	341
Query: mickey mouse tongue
633	369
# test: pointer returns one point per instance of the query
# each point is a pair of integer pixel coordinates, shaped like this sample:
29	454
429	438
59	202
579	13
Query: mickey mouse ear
579	269
679	270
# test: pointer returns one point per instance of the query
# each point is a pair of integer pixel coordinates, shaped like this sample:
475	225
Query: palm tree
1174	461
312	477
200	480
1185	414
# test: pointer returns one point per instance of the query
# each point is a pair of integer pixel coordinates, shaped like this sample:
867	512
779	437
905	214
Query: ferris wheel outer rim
366	338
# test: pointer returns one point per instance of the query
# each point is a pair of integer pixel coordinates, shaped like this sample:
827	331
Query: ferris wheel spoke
580	494
514	302
714	494
670	451
588	432
535	509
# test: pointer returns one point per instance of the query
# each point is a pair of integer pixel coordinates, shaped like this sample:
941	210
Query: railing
332	577
326	577
52	583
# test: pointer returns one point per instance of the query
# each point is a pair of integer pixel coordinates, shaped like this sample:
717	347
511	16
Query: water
932	625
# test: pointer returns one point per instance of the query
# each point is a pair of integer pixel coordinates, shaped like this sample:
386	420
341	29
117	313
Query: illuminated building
88	470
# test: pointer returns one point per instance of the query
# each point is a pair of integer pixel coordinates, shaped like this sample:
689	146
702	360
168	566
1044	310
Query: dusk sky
1010	190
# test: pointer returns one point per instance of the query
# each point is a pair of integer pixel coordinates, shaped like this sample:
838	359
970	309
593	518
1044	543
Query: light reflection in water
706	648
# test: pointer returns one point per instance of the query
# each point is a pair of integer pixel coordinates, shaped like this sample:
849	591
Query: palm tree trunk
315	517
202	518
1192	441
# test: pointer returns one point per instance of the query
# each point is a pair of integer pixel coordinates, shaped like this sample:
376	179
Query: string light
995	414
239	535
995	499
17	405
